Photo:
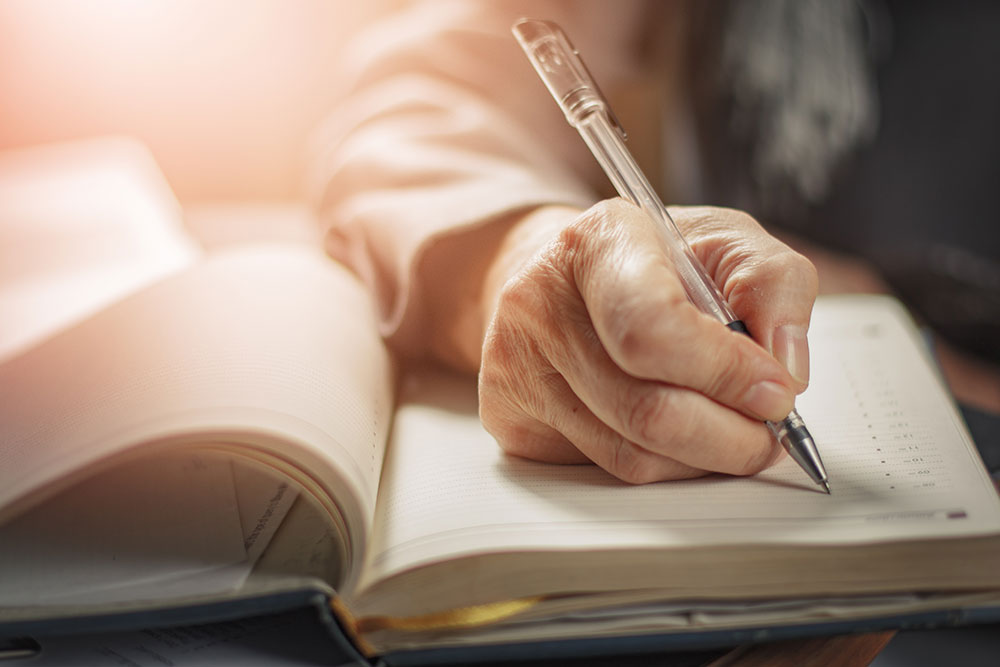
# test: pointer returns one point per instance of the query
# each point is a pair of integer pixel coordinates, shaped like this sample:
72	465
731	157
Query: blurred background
224	92
135	135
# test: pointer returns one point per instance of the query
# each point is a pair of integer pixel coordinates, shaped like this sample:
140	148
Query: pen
559	65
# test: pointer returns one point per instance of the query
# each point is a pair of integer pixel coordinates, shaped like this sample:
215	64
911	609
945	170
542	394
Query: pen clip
564	73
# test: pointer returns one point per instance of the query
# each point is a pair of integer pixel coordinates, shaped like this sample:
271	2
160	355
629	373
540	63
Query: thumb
770	287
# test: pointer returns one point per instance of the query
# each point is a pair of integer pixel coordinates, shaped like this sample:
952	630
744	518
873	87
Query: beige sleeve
447	129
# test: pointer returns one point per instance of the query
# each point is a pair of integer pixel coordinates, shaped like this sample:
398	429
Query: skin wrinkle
633	318
515	347
721	240
648	410
638	340
580	360
537	441
740	373
642	408
727	260
669	423
535	286
798	279
624	320
636	343
723	244
585	243
553	327
514	353
629	464
549	440
623	457
556	413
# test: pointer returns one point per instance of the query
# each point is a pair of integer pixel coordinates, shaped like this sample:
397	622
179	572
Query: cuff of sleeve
390	258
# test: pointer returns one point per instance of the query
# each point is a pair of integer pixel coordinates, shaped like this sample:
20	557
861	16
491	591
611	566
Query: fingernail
792	351
769	400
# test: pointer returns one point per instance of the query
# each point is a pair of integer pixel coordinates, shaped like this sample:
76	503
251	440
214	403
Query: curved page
270	351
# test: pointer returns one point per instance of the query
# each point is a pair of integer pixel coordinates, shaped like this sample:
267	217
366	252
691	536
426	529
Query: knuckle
638	331
629	463
739	219
643	410
754	459
572	239
628	340
653	418
708	221
578	236
732	371
805	274
605	210
586	239
522	298
503	356
785	275
793	265
786	267
533	331
505	373
515	431
498	422
514	439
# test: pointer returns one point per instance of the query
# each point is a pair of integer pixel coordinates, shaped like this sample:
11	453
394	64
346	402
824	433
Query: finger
521	435
645	322
531	411
514	374
528	406
662	419
561	429
771	287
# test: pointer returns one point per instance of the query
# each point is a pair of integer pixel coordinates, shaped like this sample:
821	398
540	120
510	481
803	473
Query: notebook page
273	348
900	464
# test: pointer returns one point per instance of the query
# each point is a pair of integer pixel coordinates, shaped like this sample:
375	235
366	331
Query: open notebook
403	524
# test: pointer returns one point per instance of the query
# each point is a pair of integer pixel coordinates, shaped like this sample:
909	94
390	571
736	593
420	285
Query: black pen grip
739	327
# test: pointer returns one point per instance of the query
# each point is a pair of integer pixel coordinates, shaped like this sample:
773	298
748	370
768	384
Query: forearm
446	141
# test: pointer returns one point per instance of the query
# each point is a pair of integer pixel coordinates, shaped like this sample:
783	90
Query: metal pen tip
826	486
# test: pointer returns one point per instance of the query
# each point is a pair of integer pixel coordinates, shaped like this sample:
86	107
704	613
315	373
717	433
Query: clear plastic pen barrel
597	132
564	74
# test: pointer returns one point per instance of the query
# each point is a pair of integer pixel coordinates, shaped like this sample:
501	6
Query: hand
593	352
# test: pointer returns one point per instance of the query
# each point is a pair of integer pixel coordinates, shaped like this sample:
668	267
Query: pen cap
559	65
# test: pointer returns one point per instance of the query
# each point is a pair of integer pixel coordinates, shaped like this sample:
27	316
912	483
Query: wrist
527	234
461	278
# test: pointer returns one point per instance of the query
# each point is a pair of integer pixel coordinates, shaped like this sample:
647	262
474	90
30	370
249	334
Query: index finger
771	287
644	321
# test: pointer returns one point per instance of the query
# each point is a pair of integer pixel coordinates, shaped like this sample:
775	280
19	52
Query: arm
445	140
455	189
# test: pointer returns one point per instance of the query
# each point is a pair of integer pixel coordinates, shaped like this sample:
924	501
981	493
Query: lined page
900	462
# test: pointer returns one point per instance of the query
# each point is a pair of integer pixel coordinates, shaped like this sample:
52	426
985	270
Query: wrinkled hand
593	352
